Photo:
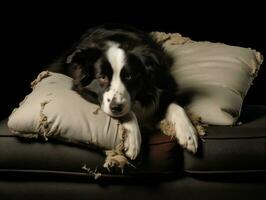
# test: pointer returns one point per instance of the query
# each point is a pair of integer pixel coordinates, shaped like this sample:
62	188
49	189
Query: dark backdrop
33	33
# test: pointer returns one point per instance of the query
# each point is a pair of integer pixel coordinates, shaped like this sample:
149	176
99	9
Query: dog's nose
116	107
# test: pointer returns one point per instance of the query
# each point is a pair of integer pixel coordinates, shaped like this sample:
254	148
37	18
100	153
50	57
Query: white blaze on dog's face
116	100
112	77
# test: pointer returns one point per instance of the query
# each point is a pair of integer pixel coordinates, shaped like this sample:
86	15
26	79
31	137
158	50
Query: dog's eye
103	79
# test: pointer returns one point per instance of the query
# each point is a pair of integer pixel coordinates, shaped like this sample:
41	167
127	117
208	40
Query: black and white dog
128	74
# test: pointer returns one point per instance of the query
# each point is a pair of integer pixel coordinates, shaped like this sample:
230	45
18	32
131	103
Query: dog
127	73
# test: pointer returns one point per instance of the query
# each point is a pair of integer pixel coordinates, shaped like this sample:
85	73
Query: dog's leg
132	141
182	128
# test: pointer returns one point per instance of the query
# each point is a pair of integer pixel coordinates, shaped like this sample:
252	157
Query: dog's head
114	71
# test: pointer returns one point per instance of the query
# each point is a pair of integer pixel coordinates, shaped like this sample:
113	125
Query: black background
33	33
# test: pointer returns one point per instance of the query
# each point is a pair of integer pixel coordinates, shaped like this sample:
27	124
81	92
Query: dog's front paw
132	139
186	136
132	146
177	124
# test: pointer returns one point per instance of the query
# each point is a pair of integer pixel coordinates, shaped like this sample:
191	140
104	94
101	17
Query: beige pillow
53	109
218	76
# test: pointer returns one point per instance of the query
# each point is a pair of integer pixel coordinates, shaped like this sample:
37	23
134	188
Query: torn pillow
53	109
213	78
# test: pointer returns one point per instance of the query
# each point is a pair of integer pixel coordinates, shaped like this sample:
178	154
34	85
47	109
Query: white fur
184	130
133	137
116	57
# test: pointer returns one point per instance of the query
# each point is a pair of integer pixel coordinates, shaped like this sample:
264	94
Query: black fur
148	66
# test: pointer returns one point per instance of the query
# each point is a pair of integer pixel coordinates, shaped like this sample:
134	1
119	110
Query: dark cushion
231	149
158	156
225	149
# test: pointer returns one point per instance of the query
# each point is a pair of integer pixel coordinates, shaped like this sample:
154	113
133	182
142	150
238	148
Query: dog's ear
146	58
81	64
84	57
81	68
151	62
157	64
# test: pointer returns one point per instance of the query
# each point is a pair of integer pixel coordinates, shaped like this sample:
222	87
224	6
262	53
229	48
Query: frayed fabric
197	122
92	172
116	157
171	38
44	124
167	127
39	78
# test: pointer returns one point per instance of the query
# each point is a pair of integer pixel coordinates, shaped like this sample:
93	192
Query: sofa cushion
158	157
227	149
